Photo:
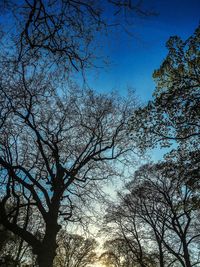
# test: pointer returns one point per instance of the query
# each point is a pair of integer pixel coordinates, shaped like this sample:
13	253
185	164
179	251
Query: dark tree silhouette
116	254
160	211
56	140
75	250
51	148
127	236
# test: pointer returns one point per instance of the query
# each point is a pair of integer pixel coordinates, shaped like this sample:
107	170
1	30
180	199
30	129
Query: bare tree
75	250
116	253
15	251
167	204
123	222
52	147
157	217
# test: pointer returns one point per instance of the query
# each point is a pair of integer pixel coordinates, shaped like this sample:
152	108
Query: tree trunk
46	258
47	253
161	256
186	253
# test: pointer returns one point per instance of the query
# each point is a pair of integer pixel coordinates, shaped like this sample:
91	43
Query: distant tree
3	236
75	250
163	200
156	219
15	252
125	232
116	254
122	252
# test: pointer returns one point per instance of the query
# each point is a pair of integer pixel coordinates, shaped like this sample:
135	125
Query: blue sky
134	58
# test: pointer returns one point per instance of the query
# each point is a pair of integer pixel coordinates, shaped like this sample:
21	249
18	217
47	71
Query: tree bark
161	256
46	257
47	253
186	253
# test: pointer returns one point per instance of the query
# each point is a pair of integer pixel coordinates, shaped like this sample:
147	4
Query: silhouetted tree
54	144
129	232
52	147
171	119
117	253
15	252
75	250
167	208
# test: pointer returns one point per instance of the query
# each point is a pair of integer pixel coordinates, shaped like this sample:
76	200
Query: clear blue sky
133	59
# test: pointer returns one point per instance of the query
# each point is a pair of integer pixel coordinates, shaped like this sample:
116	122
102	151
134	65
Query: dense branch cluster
63	32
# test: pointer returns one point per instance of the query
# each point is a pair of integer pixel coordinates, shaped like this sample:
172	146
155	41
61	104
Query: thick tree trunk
47	253
46	258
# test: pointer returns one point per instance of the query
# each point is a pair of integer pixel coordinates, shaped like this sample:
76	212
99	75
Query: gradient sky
133	59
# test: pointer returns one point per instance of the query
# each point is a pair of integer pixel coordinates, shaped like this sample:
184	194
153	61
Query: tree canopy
173	114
